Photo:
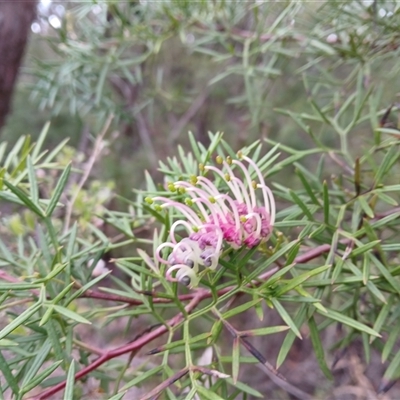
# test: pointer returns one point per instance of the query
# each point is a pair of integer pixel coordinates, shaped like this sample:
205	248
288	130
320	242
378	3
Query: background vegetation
126	81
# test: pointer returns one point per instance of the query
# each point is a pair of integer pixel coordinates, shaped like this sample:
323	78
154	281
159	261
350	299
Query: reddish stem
127	348
195	298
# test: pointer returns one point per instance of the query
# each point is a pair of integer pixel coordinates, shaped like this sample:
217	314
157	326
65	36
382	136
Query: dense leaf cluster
329	152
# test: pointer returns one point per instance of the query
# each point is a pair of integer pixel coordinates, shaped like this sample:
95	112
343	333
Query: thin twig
189	114
195	299
163	385
288	387
341	163
98	147
145	137
88	347
127	348
264	365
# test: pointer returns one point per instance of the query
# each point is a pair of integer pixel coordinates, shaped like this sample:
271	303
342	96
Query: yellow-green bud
219	160
149	200
227	177
189	202
171	187
193	179
229	160
201	167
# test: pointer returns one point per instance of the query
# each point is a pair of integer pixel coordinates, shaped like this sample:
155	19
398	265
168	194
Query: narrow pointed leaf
302	205
70	314
32	181
19	320
25	199
58	190
69	387
326	202
264	331
286	317
40	378
344	319
318	348
235	359
290	336
357	177
8	375
142	377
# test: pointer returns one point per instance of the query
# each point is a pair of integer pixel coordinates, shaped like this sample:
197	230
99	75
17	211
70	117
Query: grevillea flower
215	220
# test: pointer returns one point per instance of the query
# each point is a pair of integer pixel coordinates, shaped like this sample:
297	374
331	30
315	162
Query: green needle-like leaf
8	375
24	316
58	191
344	319
318	348
235	359
286	317
32	181
302	205
40	377
326	203
69	387
25	199
70	314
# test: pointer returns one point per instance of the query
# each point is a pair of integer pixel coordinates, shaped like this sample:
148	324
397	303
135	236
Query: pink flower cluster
215	220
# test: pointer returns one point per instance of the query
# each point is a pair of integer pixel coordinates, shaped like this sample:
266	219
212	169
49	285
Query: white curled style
185	275
213	220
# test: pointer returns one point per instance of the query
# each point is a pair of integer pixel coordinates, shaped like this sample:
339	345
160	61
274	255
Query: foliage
47	276
331	262
166	67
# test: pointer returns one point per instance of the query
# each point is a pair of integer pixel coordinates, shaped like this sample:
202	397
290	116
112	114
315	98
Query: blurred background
166	67
251	69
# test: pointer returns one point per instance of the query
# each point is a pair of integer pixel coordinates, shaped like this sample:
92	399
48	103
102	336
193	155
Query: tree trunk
16	18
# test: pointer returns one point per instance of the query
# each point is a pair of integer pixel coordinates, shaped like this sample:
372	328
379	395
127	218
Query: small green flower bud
171	187
219	160
193	179
149	200
229	160
189	202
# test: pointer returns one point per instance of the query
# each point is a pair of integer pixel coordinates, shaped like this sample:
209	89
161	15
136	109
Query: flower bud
171	187
189	202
